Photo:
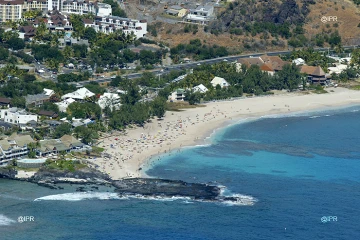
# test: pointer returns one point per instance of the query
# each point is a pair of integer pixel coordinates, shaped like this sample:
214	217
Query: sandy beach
126	154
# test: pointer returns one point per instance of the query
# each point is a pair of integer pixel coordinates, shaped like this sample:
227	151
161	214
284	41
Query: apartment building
109	24
11	10
14	147
77	7
40	5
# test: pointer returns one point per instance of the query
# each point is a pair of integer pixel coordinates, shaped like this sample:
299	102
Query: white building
77	7
11	10
177	95
17	116
109	24
219	81
14	147
202	14
111	100
80	94
41	5
48	92
200	88
298	61
337	69
64	104
103	9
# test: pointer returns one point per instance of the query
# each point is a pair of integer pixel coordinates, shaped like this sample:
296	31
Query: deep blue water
299	168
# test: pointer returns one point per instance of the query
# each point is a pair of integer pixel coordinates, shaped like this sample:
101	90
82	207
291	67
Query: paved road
190	65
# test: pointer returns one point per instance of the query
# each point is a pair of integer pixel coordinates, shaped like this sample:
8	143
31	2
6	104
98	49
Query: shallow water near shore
299	168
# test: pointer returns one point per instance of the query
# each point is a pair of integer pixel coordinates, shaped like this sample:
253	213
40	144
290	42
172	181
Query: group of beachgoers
123	150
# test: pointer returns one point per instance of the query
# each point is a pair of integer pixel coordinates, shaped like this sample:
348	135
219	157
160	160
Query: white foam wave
5	221
159	198
11	197
314	116
241	200
78	196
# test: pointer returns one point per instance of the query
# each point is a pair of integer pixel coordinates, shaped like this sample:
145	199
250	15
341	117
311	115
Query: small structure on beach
177	95
316	75
200	88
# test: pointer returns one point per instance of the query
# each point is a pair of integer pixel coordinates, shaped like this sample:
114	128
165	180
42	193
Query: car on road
225	60
102	76
113	76
198	64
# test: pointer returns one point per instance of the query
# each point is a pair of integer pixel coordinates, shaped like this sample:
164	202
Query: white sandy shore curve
130	152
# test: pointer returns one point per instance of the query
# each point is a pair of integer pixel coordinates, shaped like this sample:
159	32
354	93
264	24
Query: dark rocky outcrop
7	172
166	188
87	174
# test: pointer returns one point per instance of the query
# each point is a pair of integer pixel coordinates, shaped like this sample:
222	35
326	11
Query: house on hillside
176	11
4	102
316	75
36	100
48	114
202	14
219	81
17	116
79	95
27	32
64	104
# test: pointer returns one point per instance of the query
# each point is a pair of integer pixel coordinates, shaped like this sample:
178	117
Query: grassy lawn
356	87
97	150
179	106
320	91
64	165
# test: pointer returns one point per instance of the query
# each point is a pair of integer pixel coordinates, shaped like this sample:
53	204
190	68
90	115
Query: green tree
158	106
61	130
87	135
19	102
90	34
132	95
290	76
194	97
116	10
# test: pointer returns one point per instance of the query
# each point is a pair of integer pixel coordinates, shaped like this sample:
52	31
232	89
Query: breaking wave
78	196
5	221
230	199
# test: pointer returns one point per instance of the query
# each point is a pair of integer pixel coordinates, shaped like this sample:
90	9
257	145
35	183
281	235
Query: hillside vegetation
273	24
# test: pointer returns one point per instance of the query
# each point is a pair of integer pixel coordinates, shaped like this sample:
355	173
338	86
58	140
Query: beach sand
131	151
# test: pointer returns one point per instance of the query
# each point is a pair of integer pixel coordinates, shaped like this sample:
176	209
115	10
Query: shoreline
137	151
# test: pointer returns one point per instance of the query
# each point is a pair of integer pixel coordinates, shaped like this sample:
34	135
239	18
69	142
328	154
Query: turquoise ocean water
299	169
